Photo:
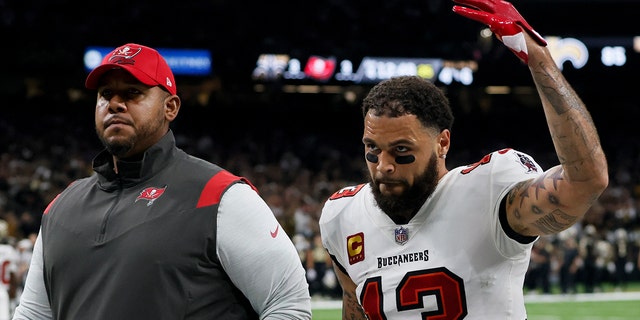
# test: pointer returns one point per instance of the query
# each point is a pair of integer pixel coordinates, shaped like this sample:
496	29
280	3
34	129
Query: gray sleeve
259	256
34	302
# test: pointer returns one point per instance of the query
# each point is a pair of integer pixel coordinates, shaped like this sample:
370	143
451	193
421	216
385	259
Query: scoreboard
368	70
586	55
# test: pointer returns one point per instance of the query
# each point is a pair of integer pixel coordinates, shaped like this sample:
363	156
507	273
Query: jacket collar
133	172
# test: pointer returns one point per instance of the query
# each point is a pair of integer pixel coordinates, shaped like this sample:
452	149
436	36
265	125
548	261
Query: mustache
379	181
116	120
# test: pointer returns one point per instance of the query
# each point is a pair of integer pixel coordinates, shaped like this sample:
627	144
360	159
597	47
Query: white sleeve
509	167
259	256
34	301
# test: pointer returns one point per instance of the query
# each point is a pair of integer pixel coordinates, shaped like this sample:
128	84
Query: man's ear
444	142
172	107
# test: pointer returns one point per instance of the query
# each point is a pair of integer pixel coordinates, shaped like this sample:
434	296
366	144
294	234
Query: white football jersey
451	261
8	265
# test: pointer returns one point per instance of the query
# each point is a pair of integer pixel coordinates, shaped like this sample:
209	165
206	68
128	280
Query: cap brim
96	74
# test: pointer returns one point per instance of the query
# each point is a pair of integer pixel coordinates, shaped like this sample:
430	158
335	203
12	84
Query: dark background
44	41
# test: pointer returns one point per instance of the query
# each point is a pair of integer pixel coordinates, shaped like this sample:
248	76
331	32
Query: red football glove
504	21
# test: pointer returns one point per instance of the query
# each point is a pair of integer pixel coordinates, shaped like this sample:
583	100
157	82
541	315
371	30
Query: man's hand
504	21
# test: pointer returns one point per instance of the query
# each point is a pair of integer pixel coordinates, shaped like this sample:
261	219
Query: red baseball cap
142	62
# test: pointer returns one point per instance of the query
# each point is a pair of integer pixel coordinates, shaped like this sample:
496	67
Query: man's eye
106	94
402	149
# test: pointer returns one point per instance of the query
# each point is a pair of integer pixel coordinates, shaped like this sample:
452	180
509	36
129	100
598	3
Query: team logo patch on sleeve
355	247
527	162
151	194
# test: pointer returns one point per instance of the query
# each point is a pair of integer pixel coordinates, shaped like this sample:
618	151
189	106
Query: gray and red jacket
140	244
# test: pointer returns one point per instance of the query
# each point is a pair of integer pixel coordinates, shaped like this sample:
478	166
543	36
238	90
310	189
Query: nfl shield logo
402	235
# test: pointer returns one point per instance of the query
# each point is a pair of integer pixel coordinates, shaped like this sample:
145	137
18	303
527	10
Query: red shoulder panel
50	204
212	191
56	198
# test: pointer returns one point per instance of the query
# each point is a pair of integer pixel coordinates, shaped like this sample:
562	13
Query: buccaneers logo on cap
151	194
124	55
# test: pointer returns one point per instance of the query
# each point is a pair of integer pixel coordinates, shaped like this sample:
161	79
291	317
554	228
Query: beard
119	148
143	132
401	208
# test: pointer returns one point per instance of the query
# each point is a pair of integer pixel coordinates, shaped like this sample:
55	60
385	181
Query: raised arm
560	196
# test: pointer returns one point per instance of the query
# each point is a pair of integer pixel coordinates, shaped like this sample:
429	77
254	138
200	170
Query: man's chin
117	145
117	142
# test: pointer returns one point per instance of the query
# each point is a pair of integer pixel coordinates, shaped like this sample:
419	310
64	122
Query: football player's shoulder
341	199
502	160
347	194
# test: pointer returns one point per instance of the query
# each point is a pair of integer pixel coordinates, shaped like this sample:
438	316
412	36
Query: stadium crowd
46	144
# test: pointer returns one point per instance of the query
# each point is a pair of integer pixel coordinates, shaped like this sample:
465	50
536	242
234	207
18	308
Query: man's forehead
395	130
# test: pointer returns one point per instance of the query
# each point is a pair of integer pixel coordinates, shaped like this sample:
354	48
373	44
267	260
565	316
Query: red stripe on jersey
216	185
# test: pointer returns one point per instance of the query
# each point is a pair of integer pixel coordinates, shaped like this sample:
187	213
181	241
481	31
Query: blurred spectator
322	280
25	250
596	254
570	262
622	259
8	272
539	272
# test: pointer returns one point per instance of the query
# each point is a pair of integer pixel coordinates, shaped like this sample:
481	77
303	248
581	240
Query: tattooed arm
562	195
351	309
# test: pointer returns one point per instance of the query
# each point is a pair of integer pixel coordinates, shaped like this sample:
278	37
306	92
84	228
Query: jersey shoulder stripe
214	188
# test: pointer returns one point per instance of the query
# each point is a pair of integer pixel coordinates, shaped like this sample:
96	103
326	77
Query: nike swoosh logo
275	232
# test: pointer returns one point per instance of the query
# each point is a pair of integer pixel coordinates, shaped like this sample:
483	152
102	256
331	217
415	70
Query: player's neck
403	217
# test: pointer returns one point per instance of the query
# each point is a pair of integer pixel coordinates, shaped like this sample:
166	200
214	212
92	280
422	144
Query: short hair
404	95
